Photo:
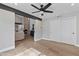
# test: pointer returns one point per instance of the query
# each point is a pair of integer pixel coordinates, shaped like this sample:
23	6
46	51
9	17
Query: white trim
44	38
52	40
61	42
37	39
6	49
76	45
58	41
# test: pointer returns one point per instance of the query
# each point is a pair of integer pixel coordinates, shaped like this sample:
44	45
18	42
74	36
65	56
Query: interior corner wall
45	28
38	29
52	27
7	30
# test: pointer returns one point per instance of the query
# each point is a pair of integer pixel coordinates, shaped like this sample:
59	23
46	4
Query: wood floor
48	48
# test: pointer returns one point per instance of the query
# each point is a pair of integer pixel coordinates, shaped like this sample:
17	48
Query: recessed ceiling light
72	4
16	4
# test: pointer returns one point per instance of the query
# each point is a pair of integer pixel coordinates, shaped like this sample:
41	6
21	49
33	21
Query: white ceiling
58	8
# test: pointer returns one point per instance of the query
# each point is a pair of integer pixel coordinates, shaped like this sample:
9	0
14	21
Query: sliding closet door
69	30
7	30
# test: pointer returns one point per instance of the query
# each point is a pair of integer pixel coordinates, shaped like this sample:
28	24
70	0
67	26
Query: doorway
29	25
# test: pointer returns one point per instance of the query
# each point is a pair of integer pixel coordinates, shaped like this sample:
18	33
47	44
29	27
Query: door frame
74	29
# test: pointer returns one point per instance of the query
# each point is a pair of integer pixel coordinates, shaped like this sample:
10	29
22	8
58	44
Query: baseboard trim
6	49
76	45
37	39
62	42
45	38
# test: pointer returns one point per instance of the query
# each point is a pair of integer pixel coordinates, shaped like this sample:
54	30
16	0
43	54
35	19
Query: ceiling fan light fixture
43	8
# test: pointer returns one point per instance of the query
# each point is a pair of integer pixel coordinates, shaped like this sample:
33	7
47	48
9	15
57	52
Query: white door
69	30
55	30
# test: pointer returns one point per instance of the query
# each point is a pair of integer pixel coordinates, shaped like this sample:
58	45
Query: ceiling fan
43	8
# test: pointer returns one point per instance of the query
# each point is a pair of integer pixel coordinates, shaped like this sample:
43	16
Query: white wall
45	28
52	27
38	30
78	29
7	30
55	29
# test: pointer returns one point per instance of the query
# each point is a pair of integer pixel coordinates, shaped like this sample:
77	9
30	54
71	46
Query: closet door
7	30
69	30
55	30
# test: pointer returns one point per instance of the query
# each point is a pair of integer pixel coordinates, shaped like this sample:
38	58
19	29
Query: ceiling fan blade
35	11
48	11
49	4
35	6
